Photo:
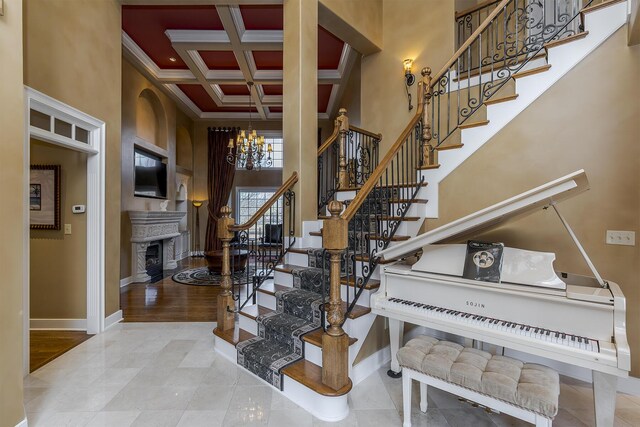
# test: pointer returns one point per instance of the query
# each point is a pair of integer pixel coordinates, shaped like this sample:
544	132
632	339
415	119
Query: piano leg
396	336
604	396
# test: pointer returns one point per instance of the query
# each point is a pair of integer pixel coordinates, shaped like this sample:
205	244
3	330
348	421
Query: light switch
67	229
626	238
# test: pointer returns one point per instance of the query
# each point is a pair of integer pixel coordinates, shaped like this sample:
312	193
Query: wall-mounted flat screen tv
150	175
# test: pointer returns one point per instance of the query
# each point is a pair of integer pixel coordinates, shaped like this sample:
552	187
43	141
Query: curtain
220	181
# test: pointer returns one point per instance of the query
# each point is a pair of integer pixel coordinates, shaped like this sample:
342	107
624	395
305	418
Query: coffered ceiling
203	55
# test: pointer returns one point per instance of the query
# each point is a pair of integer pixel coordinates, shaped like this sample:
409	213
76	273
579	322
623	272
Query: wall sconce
409	78
197	204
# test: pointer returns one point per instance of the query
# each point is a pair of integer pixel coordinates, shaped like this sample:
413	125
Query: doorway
55	125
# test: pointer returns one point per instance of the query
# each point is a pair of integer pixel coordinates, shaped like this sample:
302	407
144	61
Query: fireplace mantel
150	226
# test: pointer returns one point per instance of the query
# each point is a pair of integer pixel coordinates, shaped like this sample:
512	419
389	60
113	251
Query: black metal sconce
409	78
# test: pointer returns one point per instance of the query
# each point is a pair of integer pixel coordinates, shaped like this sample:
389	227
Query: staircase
316	296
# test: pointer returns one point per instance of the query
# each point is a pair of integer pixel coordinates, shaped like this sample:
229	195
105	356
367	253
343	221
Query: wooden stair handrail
332	138
256	216
365	132
364	191
469	41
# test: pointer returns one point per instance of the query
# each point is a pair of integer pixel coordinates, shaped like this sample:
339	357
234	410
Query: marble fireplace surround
151	226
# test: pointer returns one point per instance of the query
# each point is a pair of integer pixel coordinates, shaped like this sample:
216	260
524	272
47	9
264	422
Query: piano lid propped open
472	225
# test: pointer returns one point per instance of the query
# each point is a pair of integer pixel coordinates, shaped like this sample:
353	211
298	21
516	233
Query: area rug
201	277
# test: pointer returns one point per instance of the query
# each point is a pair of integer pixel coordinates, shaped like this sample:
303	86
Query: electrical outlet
626	238
67	229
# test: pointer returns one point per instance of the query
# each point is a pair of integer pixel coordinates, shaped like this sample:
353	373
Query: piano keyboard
505	326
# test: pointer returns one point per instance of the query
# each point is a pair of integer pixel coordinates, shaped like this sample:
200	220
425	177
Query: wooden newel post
343	173
429	153
335	342
226	304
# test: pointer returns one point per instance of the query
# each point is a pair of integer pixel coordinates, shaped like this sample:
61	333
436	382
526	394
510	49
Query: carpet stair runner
298	311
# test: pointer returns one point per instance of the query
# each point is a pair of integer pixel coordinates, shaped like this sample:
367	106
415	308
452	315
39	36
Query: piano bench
523	390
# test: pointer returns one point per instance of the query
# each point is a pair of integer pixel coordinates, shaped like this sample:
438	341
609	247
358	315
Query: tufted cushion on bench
530	386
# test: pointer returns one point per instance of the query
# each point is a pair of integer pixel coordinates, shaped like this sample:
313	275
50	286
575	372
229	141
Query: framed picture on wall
44	197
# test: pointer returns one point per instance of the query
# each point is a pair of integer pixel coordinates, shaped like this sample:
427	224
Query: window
275	139
249	200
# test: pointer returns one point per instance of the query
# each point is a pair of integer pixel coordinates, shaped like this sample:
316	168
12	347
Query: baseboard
22	423
58	324
112	319
126	281
370	364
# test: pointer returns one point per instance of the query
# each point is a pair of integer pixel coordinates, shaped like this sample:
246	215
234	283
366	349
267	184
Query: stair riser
476	80
266	300
297	259
286	279
248	325
345	195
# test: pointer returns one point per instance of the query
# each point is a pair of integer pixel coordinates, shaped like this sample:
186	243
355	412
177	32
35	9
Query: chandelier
250	147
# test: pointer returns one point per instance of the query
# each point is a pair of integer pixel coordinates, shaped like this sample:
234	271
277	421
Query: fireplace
153	261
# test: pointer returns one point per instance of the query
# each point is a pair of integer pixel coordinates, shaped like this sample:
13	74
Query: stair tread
253	311
272	288
565	40
371	284
366	258
303	251
315	338
233	336
427	167
501	99
474	124
449	147
601	5
532	71
310	375
401	185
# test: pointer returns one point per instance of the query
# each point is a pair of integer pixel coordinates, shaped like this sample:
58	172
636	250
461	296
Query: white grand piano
573	319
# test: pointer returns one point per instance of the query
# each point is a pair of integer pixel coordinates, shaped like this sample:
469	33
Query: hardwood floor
168	301
44	346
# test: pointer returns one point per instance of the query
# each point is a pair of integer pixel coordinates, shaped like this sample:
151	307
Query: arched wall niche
151	120
184	148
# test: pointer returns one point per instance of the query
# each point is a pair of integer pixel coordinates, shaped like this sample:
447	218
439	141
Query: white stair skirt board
58	324
22	423
322	407
369	365
112	319
601	24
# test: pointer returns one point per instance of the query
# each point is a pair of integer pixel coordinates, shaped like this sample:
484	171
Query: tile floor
167	374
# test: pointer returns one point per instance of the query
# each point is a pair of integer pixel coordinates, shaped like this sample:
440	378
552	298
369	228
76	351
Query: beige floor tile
202	418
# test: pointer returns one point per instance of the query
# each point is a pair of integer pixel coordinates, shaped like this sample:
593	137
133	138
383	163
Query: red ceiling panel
272	89
329	50
219	59
146	26
268	59
262	17
235	89
275	109
324	93
201	98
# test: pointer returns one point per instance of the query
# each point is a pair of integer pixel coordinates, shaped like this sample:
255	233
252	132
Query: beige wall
11	213
358	22
148	115
419	29
58	273
566	129
73	53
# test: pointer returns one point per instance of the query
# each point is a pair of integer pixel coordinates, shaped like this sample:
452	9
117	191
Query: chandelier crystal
250	150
